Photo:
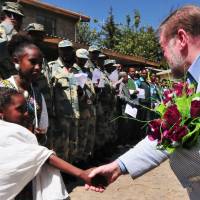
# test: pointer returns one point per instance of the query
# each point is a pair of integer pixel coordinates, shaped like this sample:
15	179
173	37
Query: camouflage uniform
65	98
87	122
106	104
90	66
7	30
6	67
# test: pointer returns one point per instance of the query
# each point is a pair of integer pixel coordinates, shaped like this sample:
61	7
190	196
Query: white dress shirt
185	163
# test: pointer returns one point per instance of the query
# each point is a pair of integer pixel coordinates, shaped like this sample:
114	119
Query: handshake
99	178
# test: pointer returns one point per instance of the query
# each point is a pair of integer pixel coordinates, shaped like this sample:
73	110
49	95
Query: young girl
27	59
23	160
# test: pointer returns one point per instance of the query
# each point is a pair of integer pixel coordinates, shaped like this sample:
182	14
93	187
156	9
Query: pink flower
178	88
190	91
195	108
155	129
172	115
168	94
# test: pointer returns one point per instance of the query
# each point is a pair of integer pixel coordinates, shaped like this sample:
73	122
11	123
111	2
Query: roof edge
56	9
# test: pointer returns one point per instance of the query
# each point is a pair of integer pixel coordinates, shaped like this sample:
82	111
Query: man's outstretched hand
102	176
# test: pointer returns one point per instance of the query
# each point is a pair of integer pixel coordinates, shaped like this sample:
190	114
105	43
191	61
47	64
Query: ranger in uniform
106	106
66	105
87	97
11	20
91	63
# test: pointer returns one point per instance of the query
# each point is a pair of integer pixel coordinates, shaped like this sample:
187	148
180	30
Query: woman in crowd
23	160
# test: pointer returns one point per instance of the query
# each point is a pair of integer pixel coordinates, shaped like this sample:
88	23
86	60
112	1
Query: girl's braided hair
18	43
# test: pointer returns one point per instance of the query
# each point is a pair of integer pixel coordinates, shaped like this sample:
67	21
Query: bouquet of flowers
179	122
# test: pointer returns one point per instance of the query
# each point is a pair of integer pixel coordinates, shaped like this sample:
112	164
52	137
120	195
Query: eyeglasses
14	16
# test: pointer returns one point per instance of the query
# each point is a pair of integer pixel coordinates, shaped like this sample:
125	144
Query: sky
152	11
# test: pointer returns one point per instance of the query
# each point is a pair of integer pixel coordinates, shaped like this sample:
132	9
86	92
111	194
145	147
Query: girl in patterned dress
27	59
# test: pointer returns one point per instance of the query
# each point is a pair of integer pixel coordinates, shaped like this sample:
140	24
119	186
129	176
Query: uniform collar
77	67
60	62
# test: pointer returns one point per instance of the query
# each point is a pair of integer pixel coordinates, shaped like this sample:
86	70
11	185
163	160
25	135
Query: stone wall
64	26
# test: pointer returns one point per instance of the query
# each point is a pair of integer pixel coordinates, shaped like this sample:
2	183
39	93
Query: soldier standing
86	94
11	21
65	136
105	129
91	63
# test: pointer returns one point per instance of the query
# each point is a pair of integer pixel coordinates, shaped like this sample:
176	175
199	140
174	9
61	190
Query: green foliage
140	43
183	104
85	34
161	109
136	18
110	32
128	38
191	138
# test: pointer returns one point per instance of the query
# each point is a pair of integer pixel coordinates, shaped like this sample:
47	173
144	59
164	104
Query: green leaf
183	105
161	109
170	150
192	136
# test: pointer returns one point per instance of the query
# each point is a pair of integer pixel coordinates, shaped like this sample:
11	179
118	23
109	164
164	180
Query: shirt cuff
122	166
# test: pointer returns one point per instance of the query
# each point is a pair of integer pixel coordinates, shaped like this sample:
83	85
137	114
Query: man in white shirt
180	40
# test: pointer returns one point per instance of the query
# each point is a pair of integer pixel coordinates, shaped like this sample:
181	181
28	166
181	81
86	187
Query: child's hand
98	182
85	176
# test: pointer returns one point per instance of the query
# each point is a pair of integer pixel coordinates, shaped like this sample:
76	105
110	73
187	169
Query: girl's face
16	110
30	64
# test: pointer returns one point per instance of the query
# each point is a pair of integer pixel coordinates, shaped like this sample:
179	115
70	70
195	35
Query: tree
136	19
110	32
128	38
85	34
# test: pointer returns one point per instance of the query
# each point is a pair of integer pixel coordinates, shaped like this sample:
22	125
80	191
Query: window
48	22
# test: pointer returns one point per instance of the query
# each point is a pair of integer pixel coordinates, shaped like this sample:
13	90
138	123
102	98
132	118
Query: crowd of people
76	101
77	105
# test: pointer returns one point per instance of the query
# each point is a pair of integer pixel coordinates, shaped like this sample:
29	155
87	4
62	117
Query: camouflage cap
13	7
101	55
65	43
109	61
82	53
35	27
94	48
116	65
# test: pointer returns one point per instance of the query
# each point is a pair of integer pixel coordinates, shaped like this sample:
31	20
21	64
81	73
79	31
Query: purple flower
172	115
195	108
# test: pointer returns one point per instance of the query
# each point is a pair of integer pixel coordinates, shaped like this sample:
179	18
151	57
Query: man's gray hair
187	18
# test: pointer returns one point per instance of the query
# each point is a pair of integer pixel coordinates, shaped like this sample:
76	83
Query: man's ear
16	63
182	38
